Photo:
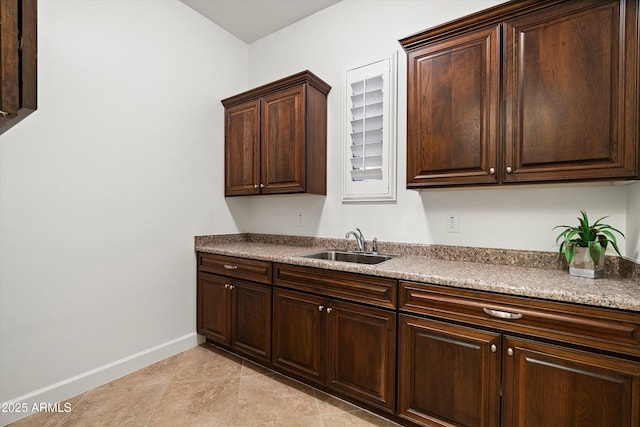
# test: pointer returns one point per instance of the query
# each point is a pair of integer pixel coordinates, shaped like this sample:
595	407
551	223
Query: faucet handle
374	245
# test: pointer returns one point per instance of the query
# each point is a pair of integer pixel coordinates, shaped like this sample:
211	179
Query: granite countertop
544	283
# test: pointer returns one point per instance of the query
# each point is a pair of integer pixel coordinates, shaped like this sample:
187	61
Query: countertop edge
546	284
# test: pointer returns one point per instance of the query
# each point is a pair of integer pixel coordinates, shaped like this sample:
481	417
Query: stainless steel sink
355	257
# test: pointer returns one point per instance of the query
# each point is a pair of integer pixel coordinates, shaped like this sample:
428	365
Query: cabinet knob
227	286
329	309
510	351
509	169
320	307
255	185
493	348
230	267
262	185
492	171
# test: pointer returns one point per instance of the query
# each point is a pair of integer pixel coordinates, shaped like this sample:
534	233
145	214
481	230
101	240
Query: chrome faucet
359	238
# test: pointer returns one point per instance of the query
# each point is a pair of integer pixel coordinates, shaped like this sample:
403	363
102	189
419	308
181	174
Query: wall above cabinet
276	138
525	92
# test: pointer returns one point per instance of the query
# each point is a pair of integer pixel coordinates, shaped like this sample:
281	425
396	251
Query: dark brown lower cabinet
361	352
349	348
213	307
554	386
235	313
448	374
465	358
299	330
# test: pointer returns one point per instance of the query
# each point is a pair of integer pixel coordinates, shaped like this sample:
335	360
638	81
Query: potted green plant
584	246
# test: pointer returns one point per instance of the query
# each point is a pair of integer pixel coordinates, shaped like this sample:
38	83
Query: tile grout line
166	386
242	366
315	397
68	415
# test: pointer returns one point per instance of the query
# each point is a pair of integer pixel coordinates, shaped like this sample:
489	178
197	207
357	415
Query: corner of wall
632	238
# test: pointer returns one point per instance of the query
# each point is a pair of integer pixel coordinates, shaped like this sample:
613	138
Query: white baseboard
70	387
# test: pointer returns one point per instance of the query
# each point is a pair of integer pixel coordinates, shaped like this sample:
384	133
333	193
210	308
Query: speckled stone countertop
420	263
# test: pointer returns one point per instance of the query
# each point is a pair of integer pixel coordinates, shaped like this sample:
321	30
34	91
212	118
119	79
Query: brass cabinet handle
502	314
230	267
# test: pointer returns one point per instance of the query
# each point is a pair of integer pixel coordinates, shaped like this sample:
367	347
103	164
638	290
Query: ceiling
250	20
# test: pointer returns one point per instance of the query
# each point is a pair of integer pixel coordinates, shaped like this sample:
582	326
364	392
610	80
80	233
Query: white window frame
382	187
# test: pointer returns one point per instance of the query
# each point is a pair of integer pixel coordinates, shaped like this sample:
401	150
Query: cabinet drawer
350	286
240	268
600	328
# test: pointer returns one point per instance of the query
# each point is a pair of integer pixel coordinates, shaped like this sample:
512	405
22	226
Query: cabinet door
10	56
283	141
242	149
18	60
251	319
571	95
452	117
299	334
448	374
213	307
554	386
361	352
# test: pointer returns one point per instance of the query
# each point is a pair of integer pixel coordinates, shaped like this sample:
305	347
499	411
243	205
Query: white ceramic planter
583	266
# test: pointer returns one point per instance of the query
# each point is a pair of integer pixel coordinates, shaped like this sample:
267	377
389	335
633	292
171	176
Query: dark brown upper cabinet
18	61
276	138
453	103
527	91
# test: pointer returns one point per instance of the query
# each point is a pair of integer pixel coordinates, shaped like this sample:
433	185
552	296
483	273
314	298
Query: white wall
633	222
103	188
332	40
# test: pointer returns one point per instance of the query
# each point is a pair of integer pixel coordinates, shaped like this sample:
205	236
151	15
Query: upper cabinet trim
276	86
487	17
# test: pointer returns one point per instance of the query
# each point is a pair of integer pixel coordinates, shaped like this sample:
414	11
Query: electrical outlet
299	220
451	223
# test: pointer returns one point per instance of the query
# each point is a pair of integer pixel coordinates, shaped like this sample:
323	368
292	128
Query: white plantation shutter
369	127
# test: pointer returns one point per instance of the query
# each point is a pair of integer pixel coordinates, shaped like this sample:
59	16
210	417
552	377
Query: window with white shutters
369	148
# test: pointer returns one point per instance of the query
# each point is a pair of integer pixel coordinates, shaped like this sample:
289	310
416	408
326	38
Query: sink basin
355	257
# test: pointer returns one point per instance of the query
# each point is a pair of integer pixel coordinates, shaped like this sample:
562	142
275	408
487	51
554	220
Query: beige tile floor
205	386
